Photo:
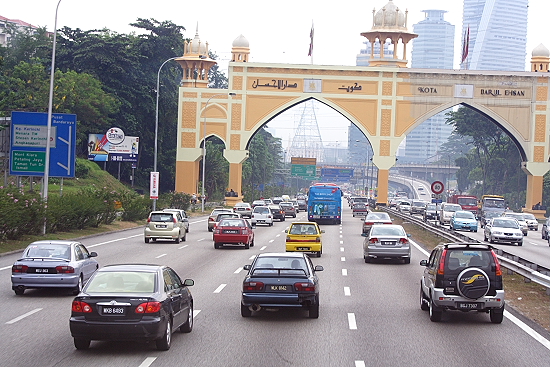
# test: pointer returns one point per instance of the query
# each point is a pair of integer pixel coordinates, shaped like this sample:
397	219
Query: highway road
369	314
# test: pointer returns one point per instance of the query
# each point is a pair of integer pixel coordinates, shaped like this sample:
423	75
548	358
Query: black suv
465	277
278	212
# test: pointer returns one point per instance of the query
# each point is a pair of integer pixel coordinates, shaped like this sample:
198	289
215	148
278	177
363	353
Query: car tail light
149	307
210	219
441	269
174	219
403	241
63	269
388	223
318	239
373	240
304	287
19	268
498	270
79	306
288	239
369	223
253	286
148	220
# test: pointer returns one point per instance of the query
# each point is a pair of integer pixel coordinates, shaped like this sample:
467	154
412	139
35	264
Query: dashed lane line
359	363
341	249
351	321
263	248
238	270
184	246
220	288
347	291
13	321
147	362
345	272
161	255
111	241
343	258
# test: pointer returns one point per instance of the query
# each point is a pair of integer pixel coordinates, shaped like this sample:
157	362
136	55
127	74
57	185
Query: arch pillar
384	163
535	181
187	170
235	159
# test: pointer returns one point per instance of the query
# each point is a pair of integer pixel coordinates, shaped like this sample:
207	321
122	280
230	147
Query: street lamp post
204	147
157	124
46	178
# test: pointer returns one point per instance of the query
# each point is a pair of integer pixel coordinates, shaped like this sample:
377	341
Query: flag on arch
310	53
466	44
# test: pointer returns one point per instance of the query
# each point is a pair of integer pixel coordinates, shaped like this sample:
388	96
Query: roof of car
131	267
282	254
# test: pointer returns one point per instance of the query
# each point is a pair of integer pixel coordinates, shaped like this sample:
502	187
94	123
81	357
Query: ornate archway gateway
385	102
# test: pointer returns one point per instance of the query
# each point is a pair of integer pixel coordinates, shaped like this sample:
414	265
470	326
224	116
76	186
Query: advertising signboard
103	149
29	132
154	186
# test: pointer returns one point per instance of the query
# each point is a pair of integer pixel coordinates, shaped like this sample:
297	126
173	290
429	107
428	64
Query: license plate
260	221
388	243
42	271
161	225
303	248
278	288
230	231
469	305
113	310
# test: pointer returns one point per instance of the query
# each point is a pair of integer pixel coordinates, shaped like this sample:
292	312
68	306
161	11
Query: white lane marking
345	272
252	257
340	230
184	246
200	239
341	236
545	342
238	270
195	313
5	267
532	243
343	258
347	291
158	257
219	289
279	235
351	321
111	241
147	362
270	241
359	363
263	248
341	249
341	242
13	321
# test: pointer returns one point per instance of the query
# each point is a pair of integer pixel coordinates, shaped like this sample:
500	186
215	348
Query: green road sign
24	161
303	170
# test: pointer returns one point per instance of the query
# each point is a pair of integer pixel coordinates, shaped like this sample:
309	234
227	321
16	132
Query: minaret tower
540	59
240	50
389	23
195	62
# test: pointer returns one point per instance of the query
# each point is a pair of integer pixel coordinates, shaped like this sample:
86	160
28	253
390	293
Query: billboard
101	149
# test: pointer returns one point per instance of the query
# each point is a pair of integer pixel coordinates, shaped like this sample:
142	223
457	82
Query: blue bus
324	203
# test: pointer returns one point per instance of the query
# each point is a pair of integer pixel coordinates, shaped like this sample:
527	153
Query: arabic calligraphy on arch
280	84
351	88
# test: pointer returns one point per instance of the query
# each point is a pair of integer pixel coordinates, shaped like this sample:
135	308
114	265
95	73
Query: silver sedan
53	264
387	241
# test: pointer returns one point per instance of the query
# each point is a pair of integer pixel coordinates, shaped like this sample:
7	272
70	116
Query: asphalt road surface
369	313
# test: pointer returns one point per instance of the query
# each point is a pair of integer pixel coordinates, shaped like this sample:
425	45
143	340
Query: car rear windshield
49	250
162	218
468	257
380	215
122	282
303	229
232	223
279	266
387	231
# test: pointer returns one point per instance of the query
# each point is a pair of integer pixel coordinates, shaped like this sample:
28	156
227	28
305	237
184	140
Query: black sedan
132	302
281	280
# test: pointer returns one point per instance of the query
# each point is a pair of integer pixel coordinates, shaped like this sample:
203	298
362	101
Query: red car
233	231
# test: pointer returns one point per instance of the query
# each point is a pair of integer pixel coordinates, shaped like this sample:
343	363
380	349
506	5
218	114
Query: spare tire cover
473	283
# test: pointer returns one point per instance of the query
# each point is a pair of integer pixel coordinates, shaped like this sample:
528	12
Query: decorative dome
390	16
540	51
241	41
196	46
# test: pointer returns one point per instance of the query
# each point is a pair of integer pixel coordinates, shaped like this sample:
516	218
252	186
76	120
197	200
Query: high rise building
498	34
433	49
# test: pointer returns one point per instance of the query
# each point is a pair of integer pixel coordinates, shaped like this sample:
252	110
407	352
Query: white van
446	212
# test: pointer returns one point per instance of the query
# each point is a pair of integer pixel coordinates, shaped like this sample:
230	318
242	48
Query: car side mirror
409	235
319	268
364	234
286	230
189	282
92	254
322	231
247	267
185	220
253	226
424	262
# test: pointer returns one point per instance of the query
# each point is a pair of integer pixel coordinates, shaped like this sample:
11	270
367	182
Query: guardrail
530	270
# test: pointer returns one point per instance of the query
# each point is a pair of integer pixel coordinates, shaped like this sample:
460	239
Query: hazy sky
278	31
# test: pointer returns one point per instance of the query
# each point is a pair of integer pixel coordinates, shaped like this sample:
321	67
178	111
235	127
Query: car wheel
216	245
210	229
177	240
484	236
520	243
314	311
367	259
407	260
184	238
423	301
19	291
81	344
147	240
319	253
188	325
78	288
245	311
247	245
491	239
271	224
166	340
496	315
435	312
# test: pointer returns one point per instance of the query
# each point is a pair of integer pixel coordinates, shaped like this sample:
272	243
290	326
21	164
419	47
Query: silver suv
465	277
165	226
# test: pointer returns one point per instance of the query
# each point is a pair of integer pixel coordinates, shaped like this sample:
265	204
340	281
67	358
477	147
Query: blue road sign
29	131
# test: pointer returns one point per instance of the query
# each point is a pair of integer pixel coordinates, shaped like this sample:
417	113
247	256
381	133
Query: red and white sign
437	187
154	186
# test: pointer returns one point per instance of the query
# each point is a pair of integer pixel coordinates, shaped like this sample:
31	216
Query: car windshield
49	250
383	230
259	210
529	216
159	217
122	282
452	208
303	229
431	207
379	215
515	216
503	223
466	215
232	223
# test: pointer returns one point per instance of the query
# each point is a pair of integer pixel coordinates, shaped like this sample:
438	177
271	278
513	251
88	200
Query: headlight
497	232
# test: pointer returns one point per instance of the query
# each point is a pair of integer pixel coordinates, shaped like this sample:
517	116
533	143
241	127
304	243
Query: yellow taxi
304	237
